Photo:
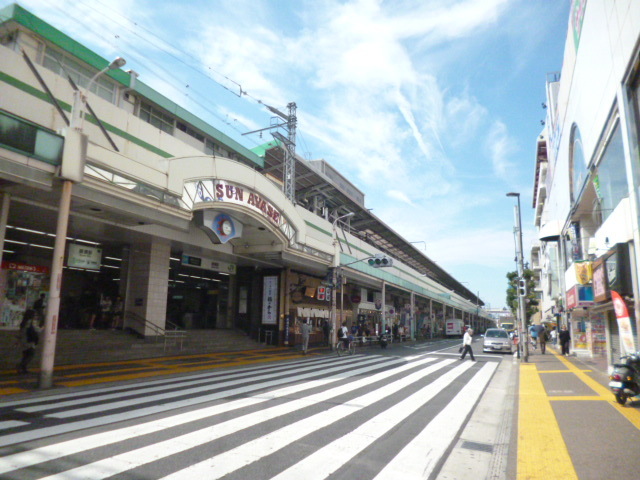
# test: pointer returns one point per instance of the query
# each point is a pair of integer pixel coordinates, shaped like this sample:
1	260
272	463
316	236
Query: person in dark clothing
565	340
28	339
542	336
38	307
326	330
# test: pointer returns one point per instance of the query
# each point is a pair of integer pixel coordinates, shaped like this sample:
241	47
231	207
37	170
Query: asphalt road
383	414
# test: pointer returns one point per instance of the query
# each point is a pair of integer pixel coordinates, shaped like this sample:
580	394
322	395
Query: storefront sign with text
222	191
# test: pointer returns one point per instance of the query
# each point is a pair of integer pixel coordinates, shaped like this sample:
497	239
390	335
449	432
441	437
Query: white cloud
501	148
401	196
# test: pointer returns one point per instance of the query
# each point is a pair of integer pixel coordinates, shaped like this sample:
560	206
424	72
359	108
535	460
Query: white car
497	340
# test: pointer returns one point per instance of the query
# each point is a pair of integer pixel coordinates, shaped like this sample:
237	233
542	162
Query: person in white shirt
466	344
305	329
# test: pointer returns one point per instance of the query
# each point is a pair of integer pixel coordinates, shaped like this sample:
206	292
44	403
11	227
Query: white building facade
587	178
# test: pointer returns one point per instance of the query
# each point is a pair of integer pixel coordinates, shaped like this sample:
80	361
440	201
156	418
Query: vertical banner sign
624	324
270	301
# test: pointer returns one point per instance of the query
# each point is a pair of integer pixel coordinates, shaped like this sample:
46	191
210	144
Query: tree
531	300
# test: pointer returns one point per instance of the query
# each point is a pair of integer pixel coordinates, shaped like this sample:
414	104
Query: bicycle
342	349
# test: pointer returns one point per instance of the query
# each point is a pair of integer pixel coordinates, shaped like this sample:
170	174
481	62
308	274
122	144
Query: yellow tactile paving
91	374
631	414
12	391
542	453
154	373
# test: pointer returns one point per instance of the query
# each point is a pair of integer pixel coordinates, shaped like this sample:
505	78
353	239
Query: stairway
95	346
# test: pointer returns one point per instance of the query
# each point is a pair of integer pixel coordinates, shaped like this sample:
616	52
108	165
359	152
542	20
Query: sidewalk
569	425
127	370
78	375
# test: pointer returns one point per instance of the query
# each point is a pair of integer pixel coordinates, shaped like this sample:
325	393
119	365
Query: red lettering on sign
219	190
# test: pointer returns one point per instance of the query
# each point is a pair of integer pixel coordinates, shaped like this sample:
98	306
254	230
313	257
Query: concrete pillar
149	282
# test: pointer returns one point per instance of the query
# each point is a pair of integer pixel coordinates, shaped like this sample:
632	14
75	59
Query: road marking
420	456
163	397
328	459
562	371
70	447
135	458
590	398
222	380
542	452
12	424
164	407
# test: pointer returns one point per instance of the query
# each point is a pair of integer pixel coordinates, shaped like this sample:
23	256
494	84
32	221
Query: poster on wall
270	301
624	323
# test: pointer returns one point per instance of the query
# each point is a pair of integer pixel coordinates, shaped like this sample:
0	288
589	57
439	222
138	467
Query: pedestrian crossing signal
380	260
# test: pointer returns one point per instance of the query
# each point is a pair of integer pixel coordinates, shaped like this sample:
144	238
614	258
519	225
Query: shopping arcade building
188	226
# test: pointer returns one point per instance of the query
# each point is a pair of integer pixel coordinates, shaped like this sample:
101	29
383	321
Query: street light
71	170
334	277
521	299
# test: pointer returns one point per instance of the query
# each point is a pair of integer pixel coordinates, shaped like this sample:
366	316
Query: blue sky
430	107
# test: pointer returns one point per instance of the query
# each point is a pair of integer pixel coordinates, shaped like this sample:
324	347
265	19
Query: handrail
140	321
171	335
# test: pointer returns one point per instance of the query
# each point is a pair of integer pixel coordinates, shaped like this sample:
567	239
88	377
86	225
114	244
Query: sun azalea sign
624	323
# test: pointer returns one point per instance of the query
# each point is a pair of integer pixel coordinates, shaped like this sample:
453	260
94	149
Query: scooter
625	378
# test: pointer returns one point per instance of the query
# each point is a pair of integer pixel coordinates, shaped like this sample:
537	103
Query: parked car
497	340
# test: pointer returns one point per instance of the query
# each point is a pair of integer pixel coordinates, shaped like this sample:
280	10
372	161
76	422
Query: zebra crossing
370	416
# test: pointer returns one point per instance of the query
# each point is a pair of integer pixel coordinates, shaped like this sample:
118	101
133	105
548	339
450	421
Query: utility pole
334	279
289	142
521	295
71	170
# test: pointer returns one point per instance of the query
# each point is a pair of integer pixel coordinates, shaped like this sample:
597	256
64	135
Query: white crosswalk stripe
340	408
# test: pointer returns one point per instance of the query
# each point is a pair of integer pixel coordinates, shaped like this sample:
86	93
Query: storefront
20	286
310	300
611	272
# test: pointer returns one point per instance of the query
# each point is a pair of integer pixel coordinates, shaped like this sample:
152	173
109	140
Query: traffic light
380	260
522	287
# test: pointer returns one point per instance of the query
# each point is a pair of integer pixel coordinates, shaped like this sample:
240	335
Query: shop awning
550	231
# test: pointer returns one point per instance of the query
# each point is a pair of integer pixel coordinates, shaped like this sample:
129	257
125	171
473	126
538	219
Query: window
370	296
577	166
24	137
189	131
156	118
610	178
81	75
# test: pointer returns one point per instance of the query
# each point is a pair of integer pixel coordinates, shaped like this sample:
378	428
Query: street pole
71	169
521	299
334	281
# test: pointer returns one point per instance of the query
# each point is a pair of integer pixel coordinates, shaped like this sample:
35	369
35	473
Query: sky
431	108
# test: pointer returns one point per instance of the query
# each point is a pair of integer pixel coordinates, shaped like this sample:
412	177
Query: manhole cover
483	447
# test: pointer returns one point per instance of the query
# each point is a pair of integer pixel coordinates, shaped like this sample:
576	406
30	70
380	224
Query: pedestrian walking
28	338
117	308
554	336
565	340
38	307
305	329
467	340
541	333
326	330
533	333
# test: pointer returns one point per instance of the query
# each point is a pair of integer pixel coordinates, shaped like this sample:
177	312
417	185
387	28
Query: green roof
25	18
261	150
